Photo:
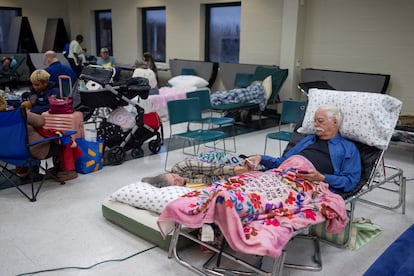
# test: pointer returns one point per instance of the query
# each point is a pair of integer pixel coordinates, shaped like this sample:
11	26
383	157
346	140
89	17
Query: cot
376	107
372	151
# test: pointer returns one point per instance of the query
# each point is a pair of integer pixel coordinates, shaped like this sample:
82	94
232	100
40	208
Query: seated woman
193	172
336	159
41	90
40	151
6	66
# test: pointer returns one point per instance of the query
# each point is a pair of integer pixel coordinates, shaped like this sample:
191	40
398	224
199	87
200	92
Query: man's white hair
332	112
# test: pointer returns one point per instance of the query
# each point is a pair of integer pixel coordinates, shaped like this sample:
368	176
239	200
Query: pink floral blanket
258	212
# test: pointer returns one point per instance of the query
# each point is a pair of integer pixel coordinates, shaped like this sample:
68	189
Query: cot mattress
140	222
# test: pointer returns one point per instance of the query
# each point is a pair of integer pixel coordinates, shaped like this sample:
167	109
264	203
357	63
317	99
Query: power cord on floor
88	267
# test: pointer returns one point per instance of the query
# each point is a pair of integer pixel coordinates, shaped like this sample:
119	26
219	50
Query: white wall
374	36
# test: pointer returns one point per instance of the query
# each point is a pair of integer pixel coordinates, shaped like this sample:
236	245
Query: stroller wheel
154	146
116	155
137	153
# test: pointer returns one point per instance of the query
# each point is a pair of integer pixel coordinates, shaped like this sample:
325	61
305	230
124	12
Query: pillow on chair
369	118
184	81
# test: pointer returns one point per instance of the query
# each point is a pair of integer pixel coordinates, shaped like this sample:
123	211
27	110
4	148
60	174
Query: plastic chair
189	111
205	105
292	113
15	150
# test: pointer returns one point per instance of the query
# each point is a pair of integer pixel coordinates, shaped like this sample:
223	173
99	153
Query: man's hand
311	175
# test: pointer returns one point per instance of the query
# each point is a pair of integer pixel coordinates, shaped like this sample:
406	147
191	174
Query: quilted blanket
258	212
254	93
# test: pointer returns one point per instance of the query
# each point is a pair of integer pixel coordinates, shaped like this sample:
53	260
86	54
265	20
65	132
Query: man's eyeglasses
319	120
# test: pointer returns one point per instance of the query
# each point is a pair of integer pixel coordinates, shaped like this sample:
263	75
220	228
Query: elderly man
336	159
55	68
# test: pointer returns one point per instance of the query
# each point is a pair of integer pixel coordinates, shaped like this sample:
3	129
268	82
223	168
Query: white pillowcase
185	81
145	196
267	85
369	118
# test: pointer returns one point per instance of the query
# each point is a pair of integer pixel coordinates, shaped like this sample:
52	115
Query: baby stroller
99	92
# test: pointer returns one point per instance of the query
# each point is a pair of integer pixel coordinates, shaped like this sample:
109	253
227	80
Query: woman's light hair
157	181
39	75
332	112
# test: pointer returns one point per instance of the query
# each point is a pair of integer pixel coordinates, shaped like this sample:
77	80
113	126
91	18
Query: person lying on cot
336	159
191	172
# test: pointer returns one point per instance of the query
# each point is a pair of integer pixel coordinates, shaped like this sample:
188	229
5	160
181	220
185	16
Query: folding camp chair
15	150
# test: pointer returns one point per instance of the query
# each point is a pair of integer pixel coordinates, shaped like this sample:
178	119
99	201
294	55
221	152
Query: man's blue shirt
345	158
56	69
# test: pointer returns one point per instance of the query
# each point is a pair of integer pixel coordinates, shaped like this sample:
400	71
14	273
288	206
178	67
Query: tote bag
92	156
362	232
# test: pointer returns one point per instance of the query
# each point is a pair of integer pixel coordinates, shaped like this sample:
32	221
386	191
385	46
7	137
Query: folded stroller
99	92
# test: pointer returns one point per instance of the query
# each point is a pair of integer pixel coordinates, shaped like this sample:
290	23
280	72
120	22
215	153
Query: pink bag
62	105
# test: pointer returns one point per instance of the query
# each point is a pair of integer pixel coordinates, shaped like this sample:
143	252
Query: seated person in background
150	62
105	60
6	67
336	159
40	91
108	62
42	150
142	70
55	68
193	172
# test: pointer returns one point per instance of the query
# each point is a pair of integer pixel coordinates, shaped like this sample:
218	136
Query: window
6	17
223	33
103	26
153	32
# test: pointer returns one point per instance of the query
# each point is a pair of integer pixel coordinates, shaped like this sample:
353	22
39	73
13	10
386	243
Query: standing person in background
55	68
76	54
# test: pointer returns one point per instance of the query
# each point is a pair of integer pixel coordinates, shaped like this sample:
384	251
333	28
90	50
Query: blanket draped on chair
254	93
257	212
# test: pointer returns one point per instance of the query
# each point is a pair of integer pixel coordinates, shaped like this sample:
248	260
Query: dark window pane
223	33
154	32
103	23
6	16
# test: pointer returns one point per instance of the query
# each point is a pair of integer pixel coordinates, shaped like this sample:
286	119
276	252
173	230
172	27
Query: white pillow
369	118
145	196
267	85
185	81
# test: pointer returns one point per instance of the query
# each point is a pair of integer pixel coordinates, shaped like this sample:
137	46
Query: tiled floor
65	227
